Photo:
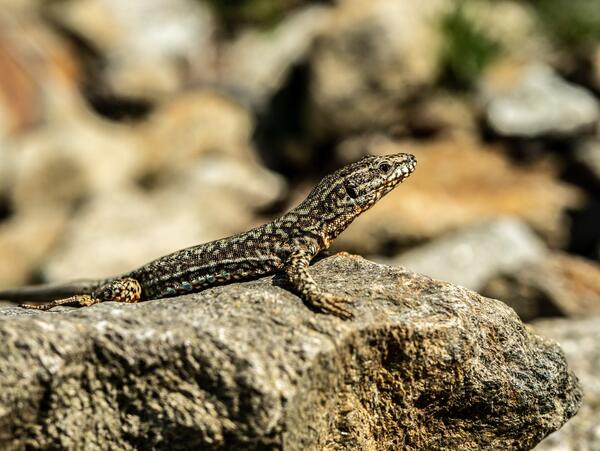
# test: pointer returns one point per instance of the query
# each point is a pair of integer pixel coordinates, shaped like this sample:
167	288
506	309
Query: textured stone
558	285
458	183
472	256
580	341
425	365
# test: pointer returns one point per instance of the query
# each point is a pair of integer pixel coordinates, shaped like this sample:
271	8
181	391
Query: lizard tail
50	292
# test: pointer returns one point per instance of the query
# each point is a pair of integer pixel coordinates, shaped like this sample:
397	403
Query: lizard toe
335	305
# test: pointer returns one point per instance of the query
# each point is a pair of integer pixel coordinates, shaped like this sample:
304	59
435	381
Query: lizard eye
385	167
351	191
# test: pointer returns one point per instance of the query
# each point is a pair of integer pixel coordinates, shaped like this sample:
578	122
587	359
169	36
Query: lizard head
365	182
342	196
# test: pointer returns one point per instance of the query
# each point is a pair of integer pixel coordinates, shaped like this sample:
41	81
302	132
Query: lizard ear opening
351	191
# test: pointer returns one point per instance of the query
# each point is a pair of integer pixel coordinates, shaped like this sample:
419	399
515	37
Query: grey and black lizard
287	244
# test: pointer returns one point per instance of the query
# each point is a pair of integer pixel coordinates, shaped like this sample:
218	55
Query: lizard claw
333	305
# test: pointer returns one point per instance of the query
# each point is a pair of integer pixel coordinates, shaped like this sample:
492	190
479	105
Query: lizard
287	245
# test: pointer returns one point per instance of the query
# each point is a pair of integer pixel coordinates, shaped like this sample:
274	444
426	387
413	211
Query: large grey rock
580	340
425	365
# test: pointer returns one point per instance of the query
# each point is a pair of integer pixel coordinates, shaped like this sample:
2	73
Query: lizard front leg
121	290
296	270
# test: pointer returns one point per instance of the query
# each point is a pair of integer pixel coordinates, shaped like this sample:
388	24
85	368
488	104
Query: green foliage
467	49
574	24
262	13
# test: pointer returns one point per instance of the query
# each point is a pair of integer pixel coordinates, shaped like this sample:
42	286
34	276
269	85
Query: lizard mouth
406	169
402	173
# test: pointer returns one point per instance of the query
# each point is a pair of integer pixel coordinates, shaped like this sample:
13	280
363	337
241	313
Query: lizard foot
333	305
74	301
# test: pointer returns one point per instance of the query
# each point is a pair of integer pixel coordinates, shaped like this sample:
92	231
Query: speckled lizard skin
287	244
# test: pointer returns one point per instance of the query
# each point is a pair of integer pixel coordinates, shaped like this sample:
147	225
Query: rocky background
131	129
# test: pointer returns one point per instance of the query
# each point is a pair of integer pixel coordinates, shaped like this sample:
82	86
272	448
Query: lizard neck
320	218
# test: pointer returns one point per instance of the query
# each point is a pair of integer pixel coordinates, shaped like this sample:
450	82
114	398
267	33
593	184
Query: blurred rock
39	74
150	47
517	33
119	231
257	62
442	113
367	62
6	179
588	155
248	367
25	240
535	101
65	162
580	341
596	64
472	256
193	124
458	183
559	285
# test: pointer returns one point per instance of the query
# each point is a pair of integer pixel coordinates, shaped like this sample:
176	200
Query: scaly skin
287	244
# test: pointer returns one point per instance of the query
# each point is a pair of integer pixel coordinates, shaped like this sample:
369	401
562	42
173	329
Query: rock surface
580	340
425	365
